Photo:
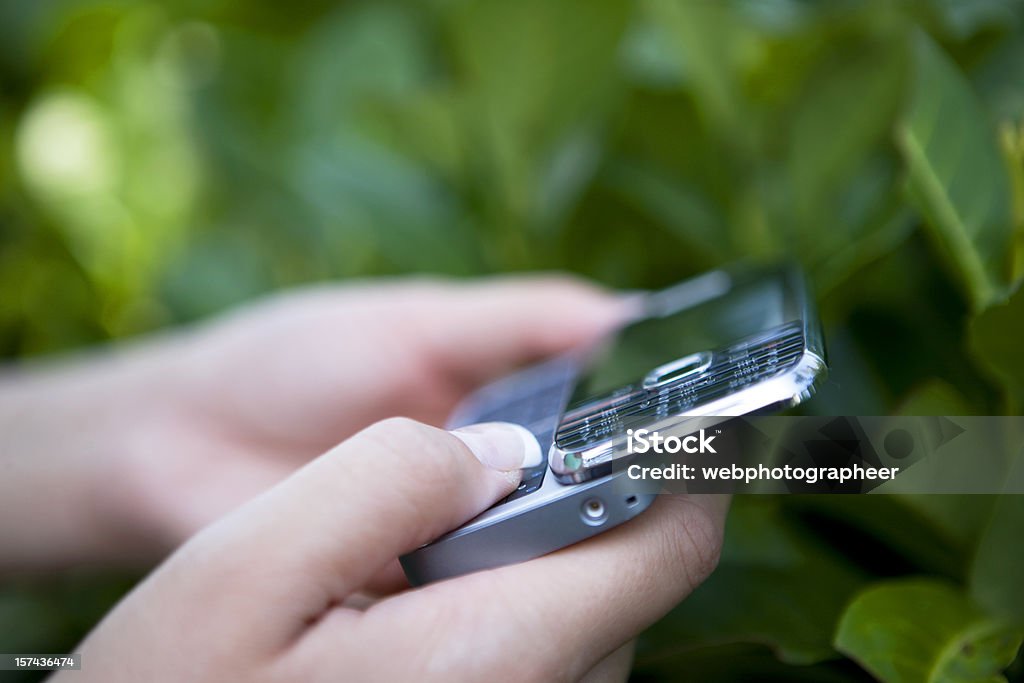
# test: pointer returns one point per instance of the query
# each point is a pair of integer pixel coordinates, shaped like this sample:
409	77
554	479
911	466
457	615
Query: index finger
480	329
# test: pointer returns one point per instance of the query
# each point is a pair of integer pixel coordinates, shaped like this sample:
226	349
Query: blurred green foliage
160	161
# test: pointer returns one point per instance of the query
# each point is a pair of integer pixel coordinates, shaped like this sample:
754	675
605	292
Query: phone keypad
531	480
732	368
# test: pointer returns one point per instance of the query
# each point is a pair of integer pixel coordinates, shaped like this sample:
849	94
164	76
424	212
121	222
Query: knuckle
433	454
393	428
398	437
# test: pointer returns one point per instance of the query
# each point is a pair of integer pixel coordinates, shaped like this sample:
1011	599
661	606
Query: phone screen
729	312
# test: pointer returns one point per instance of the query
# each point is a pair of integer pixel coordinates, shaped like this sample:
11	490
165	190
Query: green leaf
995	338
524	84
775	586
925	630
935	397
964	19
956	175
715	46
960	517
819	160
956	519
995	579
935	534
1012	140
680	207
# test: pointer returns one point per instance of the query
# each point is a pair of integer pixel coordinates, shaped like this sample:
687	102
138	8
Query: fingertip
501	445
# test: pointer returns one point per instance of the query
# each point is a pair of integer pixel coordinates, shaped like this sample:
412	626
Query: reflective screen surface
678	329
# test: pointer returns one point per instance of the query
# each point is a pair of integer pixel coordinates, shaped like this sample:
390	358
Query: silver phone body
555	509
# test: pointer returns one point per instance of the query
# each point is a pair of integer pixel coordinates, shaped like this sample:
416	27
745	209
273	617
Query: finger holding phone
275	590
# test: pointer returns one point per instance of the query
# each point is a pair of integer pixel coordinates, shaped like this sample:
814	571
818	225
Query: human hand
149	444
273	591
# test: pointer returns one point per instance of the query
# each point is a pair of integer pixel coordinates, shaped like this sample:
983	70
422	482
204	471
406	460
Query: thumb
323	533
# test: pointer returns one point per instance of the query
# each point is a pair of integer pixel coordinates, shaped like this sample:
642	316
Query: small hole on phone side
593	512
631	501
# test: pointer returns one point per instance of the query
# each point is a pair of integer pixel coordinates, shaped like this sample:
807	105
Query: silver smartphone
724	344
